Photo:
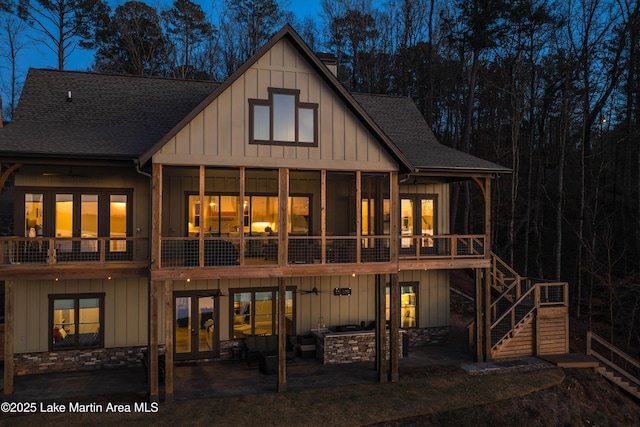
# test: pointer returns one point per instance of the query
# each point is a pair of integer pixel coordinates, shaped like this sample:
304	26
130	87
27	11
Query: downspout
136	162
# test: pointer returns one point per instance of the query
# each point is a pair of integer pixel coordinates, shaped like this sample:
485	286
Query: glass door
195	332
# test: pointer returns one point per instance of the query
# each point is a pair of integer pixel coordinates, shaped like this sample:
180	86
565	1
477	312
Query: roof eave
325	73
449	171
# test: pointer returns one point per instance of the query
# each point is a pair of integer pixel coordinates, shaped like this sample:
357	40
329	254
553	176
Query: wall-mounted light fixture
341	291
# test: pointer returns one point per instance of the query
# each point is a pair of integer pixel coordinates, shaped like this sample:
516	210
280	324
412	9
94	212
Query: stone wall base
77	360
423	336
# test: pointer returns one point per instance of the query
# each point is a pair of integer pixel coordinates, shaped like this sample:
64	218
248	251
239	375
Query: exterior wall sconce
341	291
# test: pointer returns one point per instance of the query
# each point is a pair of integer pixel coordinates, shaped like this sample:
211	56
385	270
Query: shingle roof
110	116
122	117
401	121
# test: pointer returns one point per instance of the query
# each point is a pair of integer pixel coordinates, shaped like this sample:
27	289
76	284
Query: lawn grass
334	406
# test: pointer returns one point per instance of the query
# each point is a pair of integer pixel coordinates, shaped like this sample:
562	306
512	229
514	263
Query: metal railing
452	246
506	316
264	250
52	251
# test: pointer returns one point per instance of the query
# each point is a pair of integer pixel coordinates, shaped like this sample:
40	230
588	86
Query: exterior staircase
615	365
529	317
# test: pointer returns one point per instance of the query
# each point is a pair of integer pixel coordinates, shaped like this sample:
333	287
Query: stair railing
613	358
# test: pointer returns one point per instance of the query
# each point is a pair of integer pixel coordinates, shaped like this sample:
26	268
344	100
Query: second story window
282	119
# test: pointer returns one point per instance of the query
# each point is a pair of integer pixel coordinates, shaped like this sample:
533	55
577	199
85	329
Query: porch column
487	315
394	328
168	340
152	351
487	216
381	329
283	259
9	327
156	220
478	324
282	336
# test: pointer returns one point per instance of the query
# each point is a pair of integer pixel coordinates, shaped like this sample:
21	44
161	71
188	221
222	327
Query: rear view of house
158	217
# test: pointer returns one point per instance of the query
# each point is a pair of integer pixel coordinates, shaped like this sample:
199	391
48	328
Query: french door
196	334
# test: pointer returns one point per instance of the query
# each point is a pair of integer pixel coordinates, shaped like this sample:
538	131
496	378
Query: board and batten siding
219	134
125	311
443	203
433	294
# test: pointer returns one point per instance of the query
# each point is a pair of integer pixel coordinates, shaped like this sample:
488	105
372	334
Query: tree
133	42
65	24
474	30
188	29
245	26
13	41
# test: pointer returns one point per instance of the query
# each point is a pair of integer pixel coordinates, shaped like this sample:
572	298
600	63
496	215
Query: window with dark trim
86	213
408	304
255	312
418	218
282	119
76	321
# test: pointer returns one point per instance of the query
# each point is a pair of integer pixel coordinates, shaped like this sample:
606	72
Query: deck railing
53	251
226	251
263	250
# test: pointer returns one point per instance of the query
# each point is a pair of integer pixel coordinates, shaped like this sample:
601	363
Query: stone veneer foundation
422	336
77	360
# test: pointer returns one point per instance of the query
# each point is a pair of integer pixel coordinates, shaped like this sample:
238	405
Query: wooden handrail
591	336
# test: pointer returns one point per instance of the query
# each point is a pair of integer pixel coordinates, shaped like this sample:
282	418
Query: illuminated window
418	218
255	312
76	321
33	205
283	119
118	222
408	300
84	215
220	215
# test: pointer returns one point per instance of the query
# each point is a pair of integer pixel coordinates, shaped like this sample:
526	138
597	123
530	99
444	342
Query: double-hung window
283	120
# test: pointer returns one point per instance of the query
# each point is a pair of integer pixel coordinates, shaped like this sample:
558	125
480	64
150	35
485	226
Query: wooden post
283	259
202	216
9	328
156	243
394	328
282	336
479	324
323	214
394	220
156	215
486	299
154	394
358	215
168	340
381	329
283	205
487	216
242	202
